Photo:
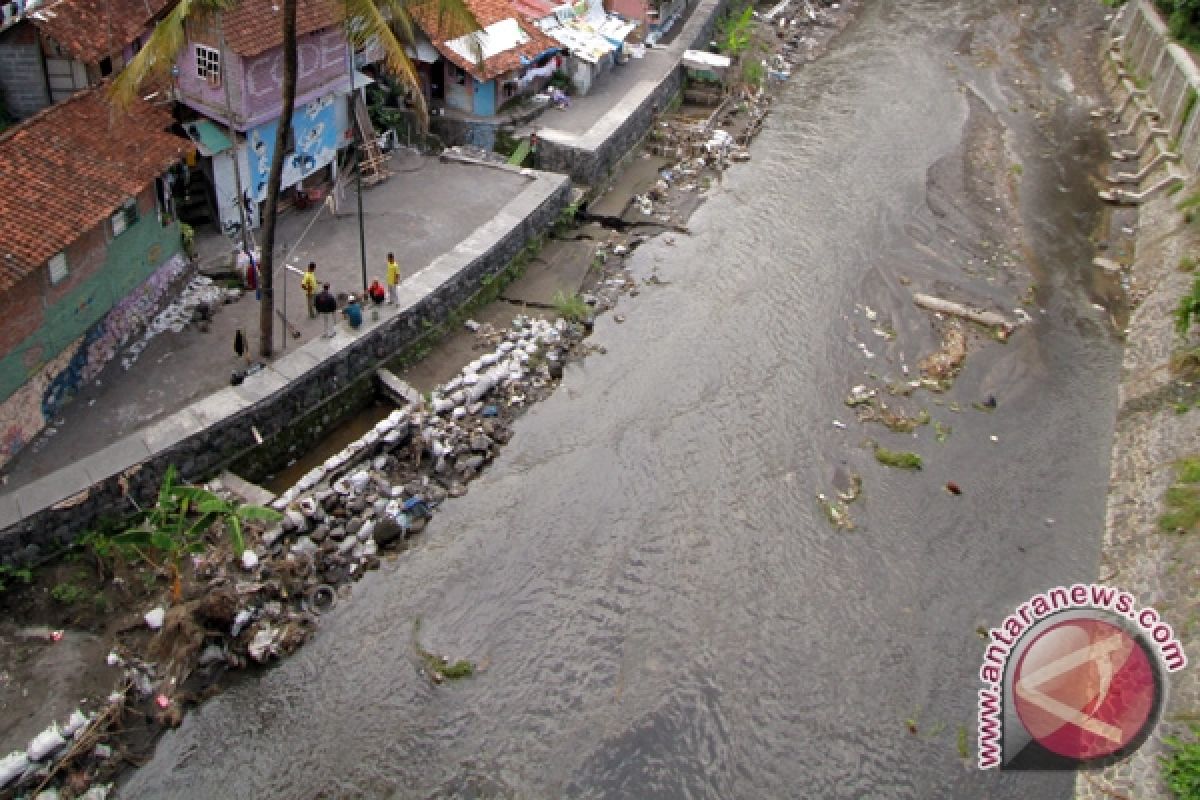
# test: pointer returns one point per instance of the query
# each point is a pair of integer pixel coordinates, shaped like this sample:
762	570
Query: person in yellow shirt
309	284
393	279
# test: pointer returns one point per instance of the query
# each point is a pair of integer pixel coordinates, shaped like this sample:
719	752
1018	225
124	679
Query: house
592	36
659	16
53	49
90	245
477	74
230	72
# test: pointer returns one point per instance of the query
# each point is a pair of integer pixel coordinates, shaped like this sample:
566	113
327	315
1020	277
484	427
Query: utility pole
358	148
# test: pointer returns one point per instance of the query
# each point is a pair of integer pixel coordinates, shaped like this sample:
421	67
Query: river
657	603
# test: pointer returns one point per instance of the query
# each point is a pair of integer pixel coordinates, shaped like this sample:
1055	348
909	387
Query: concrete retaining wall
592	160
1159	569
218	430
1167	72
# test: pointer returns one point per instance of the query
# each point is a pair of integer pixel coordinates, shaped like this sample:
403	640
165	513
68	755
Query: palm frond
365	23
157	56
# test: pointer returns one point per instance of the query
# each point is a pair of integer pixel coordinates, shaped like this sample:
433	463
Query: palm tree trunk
266	318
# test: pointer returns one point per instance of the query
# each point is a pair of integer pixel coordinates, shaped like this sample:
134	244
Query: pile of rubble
336	520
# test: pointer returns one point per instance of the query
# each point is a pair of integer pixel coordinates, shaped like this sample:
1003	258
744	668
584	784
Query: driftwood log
982	316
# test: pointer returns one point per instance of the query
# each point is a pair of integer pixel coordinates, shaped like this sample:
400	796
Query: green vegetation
9	575
68	594
560	80
1187	264
1181	769
571	307
1183	498
439	667
897	459
963	750
565	220
179	522
1183	20
1188	310
1188	206
187	235
733	32
1189	105
753	72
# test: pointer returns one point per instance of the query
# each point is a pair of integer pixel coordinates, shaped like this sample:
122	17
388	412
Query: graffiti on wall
316	135
21	417
27	411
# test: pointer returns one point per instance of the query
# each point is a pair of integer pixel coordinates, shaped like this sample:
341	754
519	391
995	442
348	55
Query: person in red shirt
376	292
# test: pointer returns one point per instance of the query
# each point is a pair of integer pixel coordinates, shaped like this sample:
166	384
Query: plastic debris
45	744
12	766
154	618
75	723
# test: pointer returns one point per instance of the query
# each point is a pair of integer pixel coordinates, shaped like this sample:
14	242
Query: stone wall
1157	567
231	437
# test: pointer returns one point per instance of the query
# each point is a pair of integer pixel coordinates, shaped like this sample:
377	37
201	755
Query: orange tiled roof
69	167
254	27
486	13
92	30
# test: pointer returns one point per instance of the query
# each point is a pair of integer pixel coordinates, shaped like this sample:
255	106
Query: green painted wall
131	258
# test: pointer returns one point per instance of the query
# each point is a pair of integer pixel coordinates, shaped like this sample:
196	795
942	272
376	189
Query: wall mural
315	132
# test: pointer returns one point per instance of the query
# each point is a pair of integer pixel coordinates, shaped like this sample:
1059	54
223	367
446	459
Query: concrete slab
118	456
249	492
560	267
52	489
217	407
295	363
166	433
10	512
396	388
259	386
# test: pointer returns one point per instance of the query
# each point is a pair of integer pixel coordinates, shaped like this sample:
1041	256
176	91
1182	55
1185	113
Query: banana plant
179	522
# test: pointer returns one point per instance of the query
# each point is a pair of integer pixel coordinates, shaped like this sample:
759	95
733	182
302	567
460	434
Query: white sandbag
45	744
12	766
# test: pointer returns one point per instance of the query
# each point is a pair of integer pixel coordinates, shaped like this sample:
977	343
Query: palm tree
385	22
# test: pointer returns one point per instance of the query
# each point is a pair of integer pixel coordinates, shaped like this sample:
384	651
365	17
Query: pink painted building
231	71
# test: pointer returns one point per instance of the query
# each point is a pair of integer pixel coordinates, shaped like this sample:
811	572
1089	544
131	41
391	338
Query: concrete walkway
423	211
427	212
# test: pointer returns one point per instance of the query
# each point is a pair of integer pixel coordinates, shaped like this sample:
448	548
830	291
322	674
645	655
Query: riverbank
1158	427
339	519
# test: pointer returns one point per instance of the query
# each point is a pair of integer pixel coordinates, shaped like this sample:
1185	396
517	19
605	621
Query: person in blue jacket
353	312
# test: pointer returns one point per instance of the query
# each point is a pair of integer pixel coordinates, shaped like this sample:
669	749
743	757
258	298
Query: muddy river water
658	605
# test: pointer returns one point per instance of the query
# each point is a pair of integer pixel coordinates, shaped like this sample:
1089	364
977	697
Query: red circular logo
1085	688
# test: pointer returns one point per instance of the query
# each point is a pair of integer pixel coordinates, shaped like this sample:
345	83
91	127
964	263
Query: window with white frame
124	218
58	268
208	63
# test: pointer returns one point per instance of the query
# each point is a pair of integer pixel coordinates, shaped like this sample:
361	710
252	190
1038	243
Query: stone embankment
1155	127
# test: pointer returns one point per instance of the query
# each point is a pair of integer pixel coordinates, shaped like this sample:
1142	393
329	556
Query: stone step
249	492
398	390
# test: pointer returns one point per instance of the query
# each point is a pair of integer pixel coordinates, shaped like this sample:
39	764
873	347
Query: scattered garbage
154	618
